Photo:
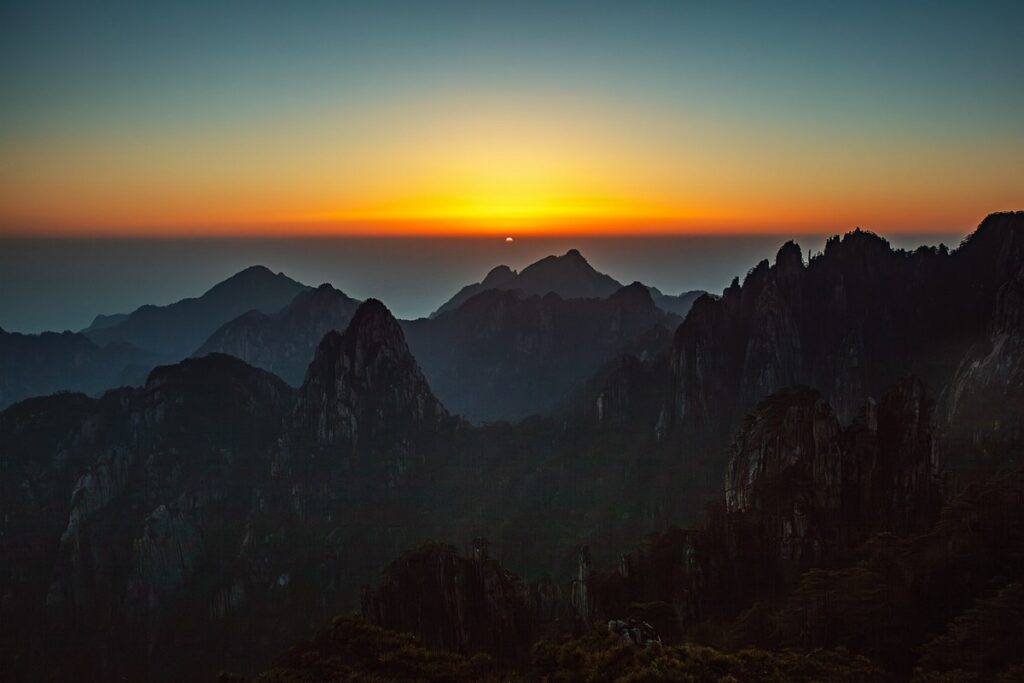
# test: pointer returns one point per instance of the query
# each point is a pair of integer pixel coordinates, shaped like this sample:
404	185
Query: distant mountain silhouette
176	330
503	355
104	321
41	364
284	342
570	276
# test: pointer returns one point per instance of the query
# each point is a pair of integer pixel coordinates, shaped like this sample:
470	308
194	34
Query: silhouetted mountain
176	330
503	355
284	342
569	276
41	364
849	324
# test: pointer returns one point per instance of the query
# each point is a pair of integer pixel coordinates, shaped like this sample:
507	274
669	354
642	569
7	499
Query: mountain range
529	365
809	461
570	276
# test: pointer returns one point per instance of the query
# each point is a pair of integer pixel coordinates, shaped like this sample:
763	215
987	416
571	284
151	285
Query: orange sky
495	167
454	119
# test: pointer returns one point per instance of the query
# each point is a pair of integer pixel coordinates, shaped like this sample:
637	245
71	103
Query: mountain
569	276
41	364
213	500
503	355
284	342
849	323
176	330
217	511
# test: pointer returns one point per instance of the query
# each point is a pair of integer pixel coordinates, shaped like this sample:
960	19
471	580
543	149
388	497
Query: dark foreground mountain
42	364
850	323
827	559
214	509
569	276
284	342
503	355
176	330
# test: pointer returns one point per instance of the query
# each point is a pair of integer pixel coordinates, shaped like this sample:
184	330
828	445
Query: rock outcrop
466	605
801	492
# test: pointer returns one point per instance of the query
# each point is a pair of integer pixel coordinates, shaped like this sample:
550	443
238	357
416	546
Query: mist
59	284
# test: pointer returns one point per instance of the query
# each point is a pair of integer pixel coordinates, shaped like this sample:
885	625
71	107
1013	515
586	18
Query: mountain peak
634	293
372	314
789	257
498	276
365	386
569	276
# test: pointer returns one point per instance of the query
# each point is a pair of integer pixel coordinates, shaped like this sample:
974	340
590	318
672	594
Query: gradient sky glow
383	117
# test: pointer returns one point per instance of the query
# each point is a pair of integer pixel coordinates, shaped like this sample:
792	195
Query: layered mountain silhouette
284	342
219	511
42	364
118	350
500	355
503	355
176	330
570	276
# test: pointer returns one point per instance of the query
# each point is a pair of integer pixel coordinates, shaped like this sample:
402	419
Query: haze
58	284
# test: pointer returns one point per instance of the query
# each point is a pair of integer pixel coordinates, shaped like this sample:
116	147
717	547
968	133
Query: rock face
800	492
284	342
504	356
983	407
176	330
114	507
364	390
466	605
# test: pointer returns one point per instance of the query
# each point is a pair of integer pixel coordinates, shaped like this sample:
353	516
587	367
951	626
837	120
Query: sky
483	118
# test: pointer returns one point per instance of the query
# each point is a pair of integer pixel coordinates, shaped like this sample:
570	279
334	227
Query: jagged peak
372	314
372	325
856	241
789	255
